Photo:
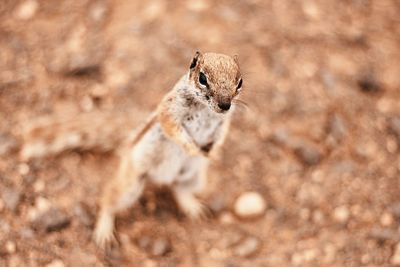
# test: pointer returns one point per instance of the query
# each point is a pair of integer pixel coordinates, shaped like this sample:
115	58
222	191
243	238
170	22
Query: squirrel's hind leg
119	194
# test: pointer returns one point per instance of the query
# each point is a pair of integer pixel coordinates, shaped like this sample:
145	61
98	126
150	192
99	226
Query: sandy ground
319	140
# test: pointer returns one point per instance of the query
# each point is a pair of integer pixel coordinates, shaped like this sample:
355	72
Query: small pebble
39	186
395	210
83	214
87	104
26	10
394	126
249	205
157	247
383	234
217	204
23	169
52	220
161	247
226	218
395	259
11	199
55	263
341	214
150	263
318	217
11	247
386	219
337	127
308	153
7	144
248	247
41	205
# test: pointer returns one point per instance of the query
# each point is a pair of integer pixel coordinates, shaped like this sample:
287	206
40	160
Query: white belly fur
203	125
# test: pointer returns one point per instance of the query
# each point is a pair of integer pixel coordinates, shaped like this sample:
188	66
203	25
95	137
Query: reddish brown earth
319	140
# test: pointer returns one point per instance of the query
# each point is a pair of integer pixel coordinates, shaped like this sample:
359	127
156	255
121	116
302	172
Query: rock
7	144
226	218
248	247
144	242
394	126
341	214
311	9
231	239
26	10
318	217
308	255
80	55
26	233
11	247
157	247
368	84
395	210
249	205
395	259
161	247
383	234
308	153
55	263
52	220
386	219
99	11
337	128
41	206
23	169
197	6
150	263
39	186
217	204
83	214
11	199
281	136
4	227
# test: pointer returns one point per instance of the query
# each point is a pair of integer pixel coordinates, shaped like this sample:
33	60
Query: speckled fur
175	145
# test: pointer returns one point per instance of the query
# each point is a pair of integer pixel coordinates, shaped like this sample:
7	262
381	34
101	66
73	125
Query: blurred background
318	143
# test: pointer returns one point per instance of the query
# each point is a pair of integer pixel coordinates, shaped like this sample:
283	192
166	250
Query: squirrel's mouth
220	111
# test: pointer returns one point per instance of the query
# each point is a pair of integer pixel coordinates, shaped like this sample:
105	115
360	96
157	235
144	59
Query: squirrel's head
216	79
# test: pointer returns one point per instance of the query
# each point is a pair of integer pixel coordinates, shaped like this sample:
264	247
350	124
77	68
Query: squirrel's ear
195	60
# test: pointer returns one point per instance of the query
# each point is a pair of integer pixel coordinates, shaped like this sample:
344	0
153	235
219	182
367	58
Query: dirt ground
319	139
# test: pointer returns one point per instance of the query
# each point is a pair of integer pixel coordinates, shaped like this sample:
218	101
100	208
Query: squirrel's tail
96	131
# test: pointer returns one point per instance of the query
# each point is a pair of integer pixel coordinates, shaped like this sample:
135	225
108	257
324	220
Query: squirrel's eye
203	79
239	85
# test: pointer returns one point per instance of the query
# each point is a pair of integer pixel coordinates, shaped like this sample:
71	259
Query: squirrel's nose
224	105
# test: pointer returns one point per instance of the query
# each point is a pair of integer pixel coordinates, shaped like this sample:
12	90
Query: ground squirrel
174	146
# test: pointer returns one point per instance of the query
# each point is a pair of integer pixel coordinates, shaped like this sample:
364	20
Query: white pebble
226	218
23	169
250	204
341	214
11	247
26	10
386	219
56	263
395	260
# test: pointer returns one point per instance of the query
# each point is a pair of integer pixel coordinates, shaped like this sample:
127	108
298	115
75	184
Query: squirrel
174	146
